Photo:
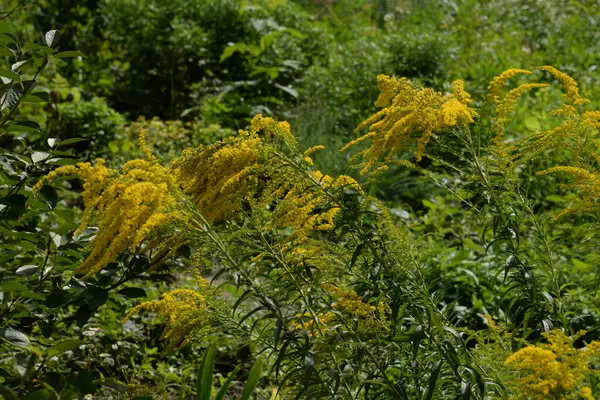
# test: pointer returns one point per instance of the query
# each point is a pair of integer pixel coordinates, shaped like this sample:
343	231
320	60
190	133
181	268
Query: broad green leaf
31	295
27	270
23	126
14	337
66	54
6	51
8	394
19	64
49	193
44	394
95	296
38	156
232	48
52	38
10	75
10	98
132	292
5	27
12	287
70	141
288	89
37	97
63	346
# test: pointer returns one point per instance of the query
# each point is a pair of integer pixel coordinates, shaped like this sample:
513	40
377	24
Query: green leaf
23	126
132	292
27	270
223	391
52	37
6	51
532	123
66	54
49	194
10	98
7	393
37	97
63	346
253	378
14	337
205	375
435	372
288	89
10	75
232	48
44	394
70	141
5	27
31	295
95	296
19	64
12	287
38	156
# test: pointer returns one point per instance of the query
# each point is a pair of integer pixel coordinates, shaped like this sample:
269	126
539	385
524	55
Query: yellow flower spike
219	177
571	89
507	105
408	111
349	301
184	311
588	185
126	205
495	87
311	150
592	119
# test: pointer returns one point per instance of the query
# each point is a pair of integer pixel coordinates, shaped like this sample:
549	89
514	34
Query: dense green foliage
471	236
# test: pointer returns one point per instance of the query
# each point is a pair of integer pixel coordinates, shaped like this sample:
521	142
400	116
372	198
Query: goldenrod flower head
309	151
497	84
571	89
350	302
592	119
307	206
507	105
185	314
272	129
588	184
318	326
554	370
126	206
409	110
219	177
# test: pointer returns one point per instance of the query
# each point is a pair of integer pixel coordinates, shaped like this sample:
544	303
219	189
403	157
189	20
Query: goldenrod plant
330	290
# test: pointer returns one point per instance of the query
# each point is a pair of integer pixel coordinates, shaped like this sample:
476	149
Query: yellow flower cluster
307	207
311	150
556	370
497	84
571	94
219	177
588	184
350	302
126	206
507	106
307	323
408	110
325	257
185	312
